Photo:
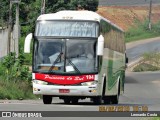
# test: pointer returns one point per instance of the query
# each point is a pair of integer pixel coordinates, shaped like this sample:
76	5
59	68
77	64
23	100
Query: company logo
6	114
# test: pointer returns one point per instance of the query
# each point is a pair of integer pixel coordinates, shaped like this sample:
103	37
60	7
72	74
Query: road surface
126	2
136	49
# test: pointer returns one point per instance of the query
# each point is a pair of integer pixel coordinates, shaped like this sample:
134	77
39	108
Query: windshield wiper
73	65
51	68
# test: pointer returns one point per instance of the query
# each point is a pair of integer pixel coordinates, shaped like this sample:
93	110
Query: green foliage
4	9
57	5
155	118
15	78
27	57
18	90
142	31
12	68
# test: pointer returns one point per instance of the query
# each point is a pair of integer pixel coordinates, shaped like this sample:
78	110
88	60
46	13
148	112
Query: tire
67	101
107	100
47	99
75	101
97	100
115	99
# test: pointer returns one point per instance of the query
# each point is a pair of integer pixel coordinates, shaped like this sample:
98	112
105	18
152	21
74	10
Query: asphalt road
126	2
136	49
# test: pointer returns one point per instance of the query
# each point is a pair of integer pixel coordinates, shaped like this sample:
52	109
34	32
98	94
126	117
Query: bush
15	78
12	68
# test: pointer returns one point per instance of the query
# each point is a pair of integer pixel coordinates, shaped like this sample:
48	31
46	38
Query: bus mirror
27	43
126	59
100	46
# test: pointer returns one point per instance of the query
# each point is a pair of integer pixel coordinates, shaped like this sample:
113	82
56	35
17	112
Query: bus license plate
64	90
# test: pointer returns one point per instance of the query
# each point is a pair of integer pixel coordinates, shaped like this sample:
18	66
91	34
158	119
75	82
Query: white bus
77	55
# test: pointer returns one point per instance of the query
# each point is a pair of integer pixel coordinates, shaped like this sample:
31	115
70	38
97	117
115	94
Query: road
136	49
126	2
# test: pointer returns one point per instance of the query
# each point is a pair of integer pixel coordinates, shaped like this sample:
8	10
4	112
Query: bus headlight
40	82
89	83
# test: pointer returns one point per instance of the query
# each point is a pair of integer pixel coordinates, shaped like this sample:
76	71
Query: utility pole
150	14
9	28
16	42
17	34
43	3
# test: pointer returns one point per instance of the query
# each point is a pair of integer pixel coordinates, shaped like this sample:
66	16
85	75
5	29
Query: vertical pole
17	30
9	28
43	6
150	13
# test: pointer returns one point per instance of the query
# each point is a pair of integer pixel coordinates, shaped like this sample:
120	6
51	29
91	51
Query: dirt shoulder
125	16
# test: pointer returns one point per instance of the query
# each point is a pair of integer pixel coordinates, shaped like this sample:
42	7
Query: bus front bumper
56	90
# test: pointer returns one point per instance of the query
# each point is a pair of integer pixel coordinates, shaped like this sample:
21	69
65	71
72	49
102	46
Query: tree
4	10
31	9
85	4
57	5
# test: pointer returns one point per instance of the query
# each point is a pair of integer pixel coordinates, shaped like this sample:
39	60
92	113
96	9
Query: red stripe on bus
64	80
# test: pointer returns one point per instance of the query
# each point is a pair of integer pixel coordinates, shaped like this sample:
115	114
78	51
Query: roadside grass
15	78
141	31
150	118
16	90
156	118
150	62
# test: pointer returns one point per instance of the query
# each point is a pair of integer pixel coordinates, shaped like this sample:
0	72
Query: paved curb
133	64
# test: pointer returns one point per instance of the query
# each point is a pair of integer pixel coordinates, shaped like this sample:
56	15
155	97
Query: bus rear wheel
47	99
115	99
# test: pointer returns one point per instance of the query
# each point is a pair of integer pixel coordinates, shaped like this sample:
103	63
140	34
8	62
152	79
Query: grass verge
16	90
156	118
150	62
142	31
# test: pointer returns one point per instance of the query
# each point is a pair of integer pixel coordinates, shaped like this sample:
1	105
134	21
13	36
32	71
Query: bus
77	55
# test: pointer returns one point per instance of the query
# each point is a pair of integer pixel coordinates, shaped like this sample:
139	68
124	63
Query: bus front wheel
74	101
97	100
67	101
47	99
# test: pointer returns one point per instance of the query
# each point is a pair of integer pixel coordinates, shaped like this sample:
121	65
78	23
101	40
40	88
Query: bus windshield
65	56
67	28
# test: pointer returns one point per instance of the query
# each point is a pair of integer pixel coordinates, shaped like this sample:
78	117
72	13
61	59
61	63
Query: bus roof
75	15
